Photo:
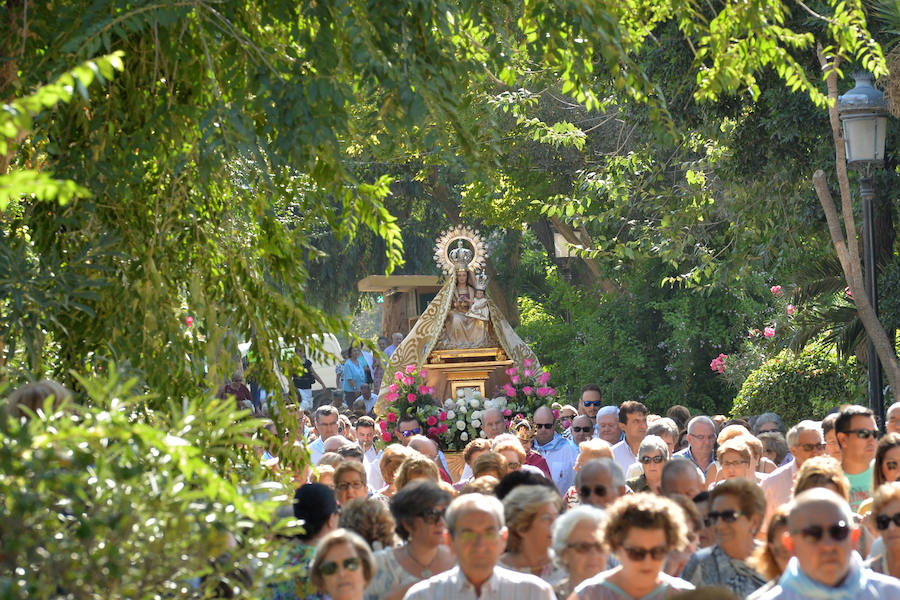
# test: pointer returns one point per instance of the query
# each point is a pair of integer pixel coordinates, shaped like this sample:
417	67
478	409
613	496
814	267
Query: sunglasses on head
597	490
863	434
882	522
728	516
410	432
639	554
593	402
582	429
431	515
838	532
543	425
652	459
331	567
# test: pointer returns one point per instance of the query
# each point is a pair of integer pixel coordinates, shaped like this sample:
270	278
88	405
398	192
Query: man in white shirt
367	397
559	452
477	535
633	423
326	423
608	425
365	437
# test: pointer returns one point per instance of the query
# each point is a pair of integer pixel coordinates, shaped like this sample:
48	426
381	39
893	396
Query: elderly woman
641	530
418	510
372	520
490	463
886	518
587	450
509	446
350	481
530	511
652	455
775	447
415	467
771	559
736	508
391	459
473	450
735	460
578	545
342	565
667	429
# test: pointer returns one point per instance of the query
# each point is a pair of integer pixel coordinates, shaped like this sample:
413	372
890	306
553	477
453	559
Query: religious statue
468	318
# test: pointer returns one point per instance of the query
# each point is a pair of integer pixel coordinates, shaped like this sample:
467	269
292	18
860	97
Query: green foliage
119	501
800	386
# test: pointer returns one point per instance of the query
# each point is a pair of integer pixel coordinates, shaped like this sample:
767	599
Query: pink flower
429	390
411	398
528	373
848	292
555	414
410	369
510	390
382	425
393	388
507	412
189	321
551	391
566	423
790	309
431	421
520	416
512	371
776	290
542	391
515	379
392	417
398	375
432	431
385	436
528	390
528	362
423	389
407	380
543	378
769	331
442	428
423	373
442	416
753	333
391	396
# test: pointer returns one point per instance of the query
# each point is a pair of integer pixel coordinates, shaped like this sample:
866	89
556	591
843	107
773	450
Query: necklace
425	571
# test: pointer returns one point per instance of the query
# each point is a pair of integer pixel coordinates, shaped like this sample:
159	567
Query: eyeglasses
838	532
882	522
331	567
585	547
431	515
863	434
514	466
639	554
468	537
543	425
728	516
410	432
702	438
813	447
582	429
597	490
593	402
735	463
891	464
652	459
346	485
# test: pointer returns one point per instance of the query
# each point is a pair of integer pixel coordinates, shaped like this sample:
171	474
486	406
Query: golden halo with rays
450	237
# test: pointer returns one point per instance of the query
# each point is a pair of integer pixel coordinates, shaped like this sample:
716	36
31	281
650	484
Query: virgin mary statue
460	317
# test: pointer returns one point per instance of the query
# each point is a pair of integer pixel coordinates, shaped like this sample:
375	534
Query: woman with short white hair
530	511
652	456
578	546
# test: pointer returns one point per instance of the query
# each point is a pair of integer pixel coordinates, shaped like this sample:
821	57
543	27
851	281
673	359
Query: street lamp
863	112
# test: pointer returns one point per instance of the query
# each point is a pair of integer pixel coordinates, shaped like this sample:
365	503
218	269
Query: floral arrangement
409	395
528	389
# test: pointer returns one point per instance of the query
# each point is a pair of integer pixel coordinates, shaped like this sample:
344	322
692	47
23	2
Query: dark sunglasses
652	459
882	522
812	447
543	425
838	532
331	567
431	515
593	402
639	554
891	464
728	516
597	490
582	429
863	434
410	432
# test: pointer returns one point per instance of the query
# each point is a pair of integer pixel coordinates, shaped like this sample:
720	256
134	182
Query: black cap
314	503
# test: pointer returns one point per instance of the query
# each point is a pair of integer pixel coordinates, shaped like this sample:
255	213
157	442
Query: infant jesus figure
479	308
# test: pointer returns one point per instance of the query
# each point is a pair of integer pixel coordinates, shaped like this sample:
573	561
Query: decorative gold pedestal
465	369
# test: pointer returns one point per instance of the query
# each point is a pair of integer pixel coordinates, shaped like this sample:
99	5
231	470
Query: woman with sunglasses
652	456
886	519
736	509
641	530
342	565
530	511
418	510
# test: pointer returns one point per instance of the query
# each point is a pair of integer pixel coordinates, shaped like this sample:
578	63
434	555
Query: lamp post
863	113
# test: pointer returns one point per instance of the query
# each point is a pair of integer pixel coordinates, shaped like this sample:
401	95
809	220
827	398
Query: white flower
499	402
449	404
477	394
464	436
476	423
476	414
474	403
459	393
488	404
461	425
451	415
482	434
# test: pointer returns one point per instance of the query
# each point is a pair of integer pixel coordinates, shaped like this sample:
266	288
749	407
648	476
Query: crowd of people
598	501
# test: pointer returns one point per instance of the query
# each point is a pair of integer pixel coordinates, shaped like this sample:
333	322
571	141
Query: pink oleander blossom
769	332
189	321
790	309
776	290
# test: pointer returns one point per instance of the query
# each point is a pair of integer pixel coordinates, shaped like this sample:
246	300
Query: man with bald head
559	452
822	536
681	476
430	449
600	482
